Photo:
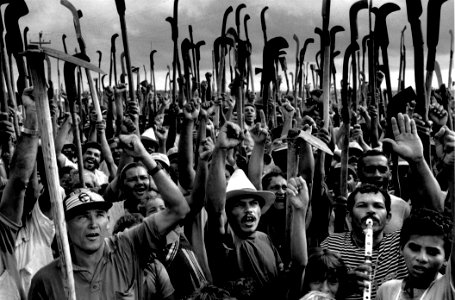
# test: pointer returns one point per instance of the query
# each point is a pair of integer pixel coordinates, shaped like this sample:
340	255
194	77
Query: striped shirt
387	261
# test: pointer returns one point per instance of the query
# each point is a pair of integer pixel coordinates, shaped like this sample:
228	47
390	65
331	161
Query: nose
92	221
325	287
422	257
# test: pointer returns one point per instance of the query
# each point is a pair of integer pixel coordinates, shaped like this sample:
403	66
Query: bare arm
445	150
185	160
297	193
408	145
259	134
61	139
176	205
105	150
22	164
229	137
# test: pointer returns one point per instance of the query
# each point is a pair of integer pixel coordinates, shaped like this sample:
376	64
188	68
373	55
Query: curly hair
423	221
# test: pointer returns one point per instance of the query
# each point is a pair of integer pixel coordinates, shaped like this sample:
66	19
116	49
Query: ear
389	217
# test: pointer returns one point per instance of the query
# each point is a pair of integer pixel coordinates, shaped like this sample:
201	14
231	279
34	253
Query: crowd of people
197	202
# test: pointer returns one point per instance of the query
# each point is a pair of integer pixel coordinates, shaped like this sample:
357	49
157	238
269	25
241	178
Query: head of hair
367	188
267	178
126	168
423	221
209	292
324	265
126	221
92	145
369	153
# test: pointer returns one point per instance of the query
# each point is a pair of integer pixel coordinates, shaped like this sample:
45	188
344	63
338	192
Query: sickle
100	55
297	64
13	39
193	50
414	9
113	60
302	59
449	84
263	24
122	65
77	14
64	43
345	115
237	17
402	68
120	5
173	21
271	52
198	58
185	48
434	14
152	78
382	38
250	75
353	13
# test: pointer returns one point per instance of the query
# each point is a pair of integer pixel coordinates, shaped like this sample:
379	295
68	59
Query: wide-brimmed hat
240	187
82	200
148	137
162	158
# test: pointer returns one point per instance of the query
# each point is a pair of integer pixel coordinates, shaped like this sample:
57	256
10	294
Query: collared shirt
118	275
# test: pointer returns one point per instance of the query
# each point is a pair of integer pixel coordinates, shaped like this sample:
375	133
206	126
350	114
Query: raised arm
22	164
297	194
185	160
176	205
259	134
408	145
61	139
230	136
445	150
105	150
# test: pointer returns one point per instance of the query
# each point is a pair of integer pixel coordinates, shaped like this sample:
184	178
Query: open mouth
249	220
92	236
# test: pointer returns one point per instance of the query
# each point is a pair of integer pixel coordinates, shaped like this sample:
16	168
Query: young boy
426	242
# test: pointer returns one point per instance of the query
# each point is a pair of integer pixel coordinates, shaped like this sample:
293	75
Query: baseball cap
82	200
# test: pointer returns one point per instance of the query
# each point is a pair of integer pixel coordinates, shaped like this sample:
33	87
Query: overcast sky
147	27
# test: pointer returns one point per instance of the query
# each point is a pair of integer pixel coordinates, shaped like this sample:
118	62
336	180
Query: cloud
147	27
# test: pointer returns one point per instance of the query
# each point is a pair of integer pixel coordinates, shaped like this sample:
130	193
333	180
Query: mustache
246	217
373	218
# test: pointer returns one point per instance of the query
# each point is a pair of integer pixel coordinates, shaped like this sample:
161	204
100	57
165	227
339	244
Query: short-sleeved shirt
387	261
441	288
33	245
118	275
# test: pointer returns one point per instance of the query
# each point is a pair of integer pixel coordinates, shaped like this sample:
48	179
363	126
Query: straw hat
240	186
148	137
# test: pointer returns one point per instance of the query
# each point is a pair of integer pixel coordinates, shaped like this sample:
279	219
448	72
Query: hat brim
149	142
102	205
267	197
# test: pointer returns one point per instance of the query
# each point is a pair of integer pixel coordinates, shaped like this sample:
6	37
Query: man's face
250	114
367	206
375	170
278	186
424	256
245	215
136	183
88	230
69	153
92	159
